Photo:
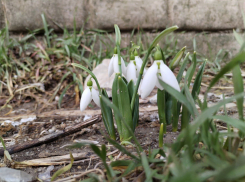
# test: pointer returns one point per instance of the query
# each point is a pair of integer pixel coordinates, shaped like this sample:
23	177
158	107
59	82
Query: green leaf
239	124
4	147
178	95
116	111
207	114
197	82
118	35
90	72
136	112
162	35
115	102
147	169
175	61
121	163
121	148
232	172
107	116
175	114
63	169
161	131
182	68
124	108
192	69
238	59
168	108
238	37
161	108
238	88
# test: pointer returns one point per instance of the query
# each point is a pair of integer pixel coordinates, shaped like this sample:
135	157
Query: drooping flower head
132	69
113	65
158	69
88	94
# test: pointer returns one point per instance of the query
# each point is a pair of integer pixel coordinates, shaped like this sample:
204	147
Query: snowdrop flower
132	70
88	94
113	65
150	79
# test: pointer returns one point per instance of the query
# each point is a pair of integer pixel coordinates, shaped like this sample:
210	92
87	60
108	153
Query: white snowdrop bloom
139	63
132	70
113	65
150	79
88	94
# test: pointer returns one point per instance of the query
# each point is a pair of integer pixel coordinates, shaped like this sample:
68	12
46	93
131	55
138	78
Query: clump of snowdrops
125	88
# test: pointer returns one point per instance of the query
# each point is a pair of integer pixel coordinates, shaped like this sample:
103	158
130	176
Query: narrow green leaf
117	111
238	59
161	108
197	83
178	95
124	107
115	102
168	108
147	169
207	114
90	72
63	169
182	68
238	88
136	112
238	37
161	131
175	114
107	116
118	35
192	69
232	172
162	35
239	124
175	61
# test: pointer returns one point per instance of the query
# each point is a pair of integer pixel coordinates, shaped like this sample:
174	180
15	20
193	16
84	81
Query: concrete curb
103	14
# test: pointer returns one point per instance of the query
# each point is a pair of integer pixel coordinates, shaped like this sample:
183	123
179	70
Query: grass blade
238	88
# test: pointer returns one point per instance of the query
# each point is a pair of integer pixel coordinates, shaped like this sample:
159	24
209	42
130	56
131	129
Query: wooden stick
51	137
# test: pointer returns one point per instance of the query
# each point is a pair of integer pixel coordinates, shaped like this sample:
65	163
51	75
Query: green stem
91	73
161	131
119	59
139	79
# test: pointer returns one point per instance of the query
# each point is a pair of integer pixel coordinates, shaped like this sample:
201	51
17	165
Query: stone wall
190	15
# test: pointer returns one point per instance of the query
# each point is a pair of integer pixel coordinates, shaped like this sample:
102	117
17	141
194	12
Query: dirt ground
146	132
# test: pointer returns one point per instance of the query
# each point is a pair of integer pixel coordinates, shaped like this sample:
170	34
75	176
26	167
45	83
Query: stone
9	175
206	15
101	73
25	15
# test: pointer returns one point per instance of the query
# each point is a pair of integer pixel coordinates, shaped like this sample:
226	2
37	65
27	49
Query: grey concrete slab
207	14
128	14
26	14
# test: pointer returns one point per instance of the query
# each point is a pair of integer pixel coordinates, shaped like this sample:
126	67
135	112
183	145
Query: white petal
139	62
168	77
85	99
115	64
110	68
159	85
124	68
95	97
149	81
137	70
131	72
